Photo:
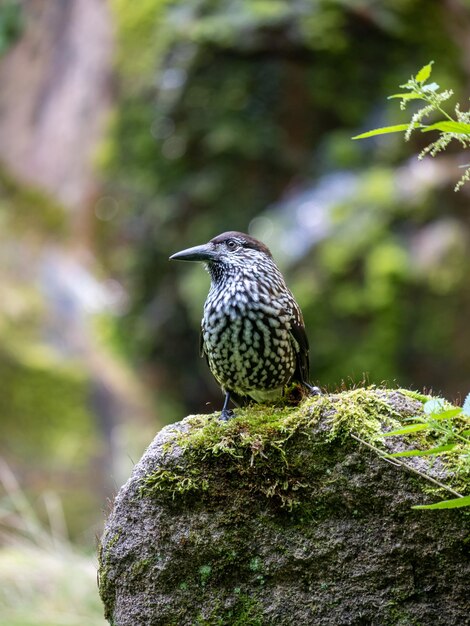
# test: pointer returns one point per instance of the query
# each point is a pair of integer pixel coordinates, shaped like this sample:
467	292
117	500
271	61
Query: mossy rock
280	517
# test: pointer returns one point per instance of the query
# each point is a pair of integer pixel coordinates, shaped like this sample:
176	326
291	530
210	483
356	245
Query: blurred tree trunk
58	78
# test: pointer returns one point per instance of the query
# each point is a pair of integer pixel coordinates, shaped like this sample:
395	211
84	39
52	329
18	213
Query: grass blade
398	128
406	430
430	451
406	96
455	503
461	128
445	415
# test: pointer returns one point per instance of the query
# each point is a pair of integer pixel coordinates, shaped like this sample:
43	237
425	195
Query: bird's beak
205	252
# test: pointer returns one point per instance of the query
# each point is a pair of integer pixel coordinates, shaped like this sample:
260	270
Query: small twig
396	462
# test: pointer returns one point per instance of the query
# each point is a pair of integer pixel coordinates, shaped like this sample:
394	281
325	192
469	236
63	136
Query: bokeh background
130	130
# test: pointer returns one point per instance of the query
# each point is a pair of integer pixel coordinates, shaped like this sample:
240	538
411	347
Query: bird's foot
313	391
226	415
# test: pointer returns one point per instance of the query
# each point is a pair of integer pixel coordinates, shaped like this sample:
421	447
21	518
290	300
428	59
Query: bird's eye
231	244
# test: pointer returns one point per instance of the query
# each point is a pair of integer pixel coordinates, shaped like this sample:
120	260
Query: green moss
255	564
285	488
205	572
245	612
264	446
416	395
399	616
363	412
173	482
139	568
105	587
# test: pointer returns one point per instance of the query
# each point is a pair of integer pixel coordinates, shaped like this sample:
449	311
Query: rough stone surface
353	552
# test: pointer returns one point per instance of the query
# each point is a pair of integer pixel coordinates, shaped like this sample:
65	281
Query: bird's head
228	253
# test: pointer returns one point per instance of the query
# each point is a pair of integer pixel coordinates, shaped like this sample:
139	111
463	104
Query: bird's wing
202	352
299	335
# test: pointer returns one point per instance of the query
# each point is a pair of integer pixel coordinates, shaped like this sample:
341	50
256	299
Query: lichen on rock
280	516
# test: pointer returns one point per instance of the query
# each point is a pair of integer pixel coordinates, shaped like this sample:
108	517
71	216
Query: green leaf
398	128
446	415
431	451
406	430
461	128
455	503
424	73
406	96
436	404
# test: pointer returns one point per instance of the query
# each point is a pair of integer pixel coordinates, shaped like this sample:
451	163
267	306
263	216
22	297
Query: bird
252	331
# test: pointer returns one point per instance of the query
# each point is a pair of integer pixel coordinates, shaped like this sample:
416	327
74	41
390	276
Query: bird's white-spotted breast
247	329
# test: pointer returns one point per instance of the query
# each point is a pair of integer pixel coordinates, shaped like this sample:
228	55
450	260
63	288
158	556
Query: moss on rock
280	516
264	445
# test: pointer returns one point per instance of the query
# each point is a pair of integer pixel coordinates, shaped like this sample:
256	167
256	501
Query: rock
280	517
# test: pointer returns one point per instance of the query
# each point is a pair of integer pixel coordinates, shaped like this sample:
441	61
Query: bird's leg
226	412
313	391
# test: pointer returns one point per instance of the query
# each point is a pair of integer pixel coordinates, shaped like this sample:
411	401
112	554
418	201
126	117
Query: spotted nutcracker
252	331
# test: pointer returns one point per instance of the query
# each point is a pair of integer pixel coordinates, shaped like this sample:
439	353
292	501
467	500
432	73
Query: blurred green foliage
42	395
227	108
27	209
39	392
11	23
49	434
